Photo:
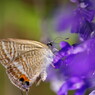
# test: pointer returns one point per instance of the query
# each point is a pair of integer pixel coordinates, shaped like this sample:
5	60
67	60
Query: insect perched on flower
25	61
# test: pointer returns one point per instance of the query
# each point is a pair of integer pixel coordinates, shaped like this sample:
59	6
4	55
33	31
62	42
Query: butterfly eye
49	44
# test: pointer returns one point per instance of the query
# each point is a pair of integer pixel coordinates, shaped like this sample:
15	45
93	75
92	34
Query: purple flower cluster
80	20
75	64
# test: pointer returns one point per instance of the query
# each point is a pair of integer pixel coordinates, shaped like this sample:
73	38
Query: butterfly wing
29	66
24	60
12	48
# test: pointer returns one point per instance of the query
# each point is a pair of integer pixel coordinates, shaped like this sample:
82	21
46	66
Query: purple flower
58	59
82	23
82	2
55	78
76	63
92	93
80	20
77	67
63	19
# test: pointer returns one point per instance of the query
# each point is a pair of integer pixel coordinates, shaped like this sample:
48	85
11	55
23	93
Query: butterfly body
25	61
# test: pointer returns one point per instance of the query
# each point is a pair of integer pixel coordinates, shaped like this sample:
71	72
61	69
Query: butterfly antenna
50	43
57	39
60	38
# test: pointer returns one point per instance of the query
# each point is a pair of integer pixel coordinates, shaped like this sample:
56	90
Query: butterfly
25	61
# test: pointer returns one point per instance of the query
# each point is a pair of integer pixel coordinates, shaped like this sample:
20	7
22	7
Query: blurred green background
26	19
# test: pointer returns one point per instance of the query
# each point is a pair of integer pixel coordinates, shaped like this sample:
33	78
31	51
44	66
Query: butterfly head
50	44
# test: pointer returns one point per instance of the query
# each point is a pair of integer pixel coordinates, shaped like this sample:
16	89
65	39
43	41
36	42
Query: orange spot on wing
24	77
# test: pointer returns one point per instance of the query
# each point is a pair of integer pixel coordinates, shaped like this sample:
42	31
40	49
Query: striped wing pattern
12	48
26	64
23	57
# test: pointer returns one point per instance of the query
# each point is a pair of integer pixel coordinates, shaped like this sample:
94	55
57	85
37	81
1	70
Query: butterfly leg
38	82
